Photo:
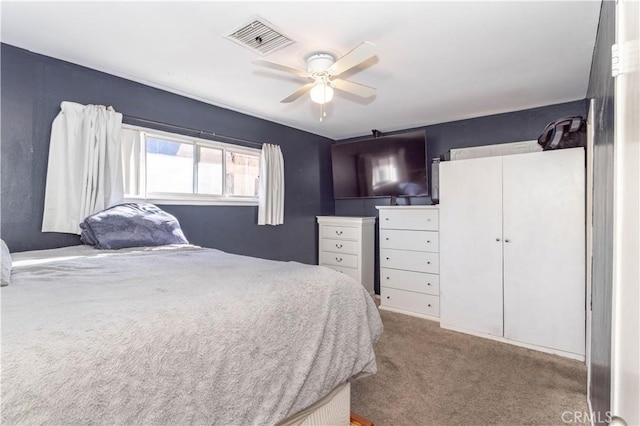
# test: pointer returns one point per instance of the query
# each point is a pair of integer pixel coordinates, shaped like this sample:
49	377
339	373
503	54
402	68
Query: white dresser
346	244
409	260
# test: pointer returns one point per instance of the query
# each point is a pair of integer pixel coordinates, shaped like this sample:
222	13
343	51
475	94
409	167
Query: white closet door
544	249
471	245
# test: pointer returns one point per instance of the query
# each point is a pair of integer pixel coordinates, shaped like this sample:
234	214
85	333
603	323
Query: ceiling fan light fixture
323	69
321	93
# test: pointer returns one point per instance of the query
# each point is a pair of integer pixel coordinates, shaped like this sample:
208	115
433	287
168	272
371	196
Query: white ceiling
436	62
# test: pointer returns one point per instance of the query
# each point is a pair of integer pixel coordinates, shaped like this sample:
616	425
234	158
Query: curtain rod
198	132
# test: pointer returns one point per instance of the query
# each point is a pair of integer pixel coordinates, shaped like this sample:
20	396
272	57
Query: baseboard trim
411	314
571	355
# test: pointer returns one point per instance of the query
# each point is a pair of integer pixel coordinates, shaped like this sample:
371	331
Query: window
169	168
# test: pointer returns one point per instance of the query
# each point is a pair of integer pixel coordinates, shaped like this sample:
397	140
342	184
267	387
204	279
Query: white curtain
85	172
130	140
271	186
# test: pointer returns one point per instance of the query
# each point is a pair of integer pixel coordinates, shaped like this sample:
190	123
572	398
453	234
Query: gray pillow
6	264
131	225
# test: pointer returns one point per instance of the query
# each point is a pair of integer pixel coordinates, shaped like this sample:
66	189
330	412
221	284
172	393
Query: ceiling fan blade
353	88
280	67
355	57
295	95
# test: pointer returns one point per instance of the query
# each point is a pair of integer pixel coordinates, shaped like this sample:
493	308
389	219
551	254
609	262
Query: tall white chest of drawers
346	244
409	260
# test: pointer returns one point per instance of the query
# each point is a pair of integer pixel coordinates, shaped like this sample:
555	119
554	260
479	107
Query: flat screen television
386	166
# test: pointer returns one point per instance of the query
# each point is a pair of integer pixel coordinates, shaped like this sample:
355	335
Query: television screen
394	165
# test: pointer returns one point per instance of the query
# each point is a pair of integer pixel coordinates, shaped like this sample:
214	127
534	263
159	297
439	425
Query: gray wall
488	130
601	90
34	85
493	129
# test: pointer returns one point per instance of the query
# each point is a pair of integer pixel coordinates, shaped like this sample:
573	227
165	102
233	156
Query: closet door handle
507	240
497	239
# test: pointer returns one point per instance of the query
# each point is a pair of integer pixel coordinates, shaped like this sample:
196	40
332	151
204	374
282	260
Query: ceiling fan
322	68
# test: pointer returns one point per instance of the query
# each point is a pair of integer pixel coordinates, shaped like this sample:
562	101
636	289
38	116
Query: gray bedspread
177	335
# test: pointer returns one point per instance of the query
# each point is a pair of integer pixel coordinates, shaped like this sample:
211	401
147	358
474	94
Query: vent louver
260	36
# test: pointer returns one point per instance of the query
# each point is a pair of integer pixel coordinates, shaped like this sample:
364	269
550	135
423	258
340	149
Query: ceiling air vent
260	36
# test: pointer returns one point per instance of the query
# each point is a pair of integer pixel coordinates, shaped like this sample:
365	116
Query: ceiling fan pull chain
325	84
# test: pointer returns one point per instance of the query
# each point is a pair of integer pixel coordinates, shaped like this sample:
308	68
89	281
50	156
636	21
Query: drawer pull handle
339	246
338	259
429	305
388	297
386	218
387	277
428	242
497	239
507	241
387	238
428	263
387	258
428	283
338	232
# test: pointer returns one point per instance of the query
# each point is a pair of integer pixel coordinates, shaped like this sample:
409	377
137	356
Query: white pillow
5	264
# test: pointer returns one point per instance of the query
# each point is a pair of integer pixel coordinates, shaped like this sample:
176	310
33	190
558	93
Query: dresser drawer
425	304
410	260
339	246
340	232
409	240
418	219
419	282
339	259
347	271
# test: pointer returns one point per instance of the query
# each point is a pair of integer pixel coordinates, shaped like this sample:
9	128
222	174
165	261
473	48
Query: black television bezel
422	133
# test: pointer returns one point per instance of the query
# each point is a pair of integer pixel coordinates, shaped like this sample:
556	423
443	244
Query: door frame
589	238
625	336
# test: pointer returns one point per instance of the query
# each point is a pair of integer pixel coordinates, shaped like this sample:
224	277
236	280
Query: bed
178	334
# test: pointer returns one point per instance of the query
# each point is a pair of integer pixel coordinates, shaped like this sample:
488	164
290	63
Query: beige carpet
430	376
